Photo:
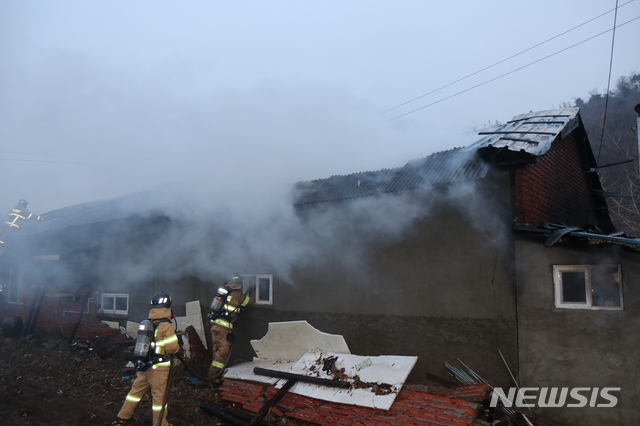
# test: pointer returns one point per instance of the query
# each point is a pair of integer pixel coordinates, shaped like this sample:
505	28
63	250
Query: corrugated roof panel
532	132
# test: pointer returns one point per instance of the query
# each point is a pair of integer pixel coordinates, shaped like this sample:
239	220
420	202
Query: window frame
589	289
114	311
258	301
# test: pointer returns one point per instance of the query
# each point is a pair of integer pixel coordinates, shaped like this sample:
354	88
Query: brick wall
59	313
410	408
555	188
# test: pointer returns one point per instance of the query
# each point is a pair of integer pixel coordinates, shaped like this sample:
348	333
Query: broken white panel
132	329
299	348
289	340
390	371
193	318
385	370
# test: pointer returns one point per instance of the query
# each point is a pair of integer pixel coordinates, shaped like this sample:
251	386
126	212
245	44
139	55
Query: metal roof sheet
532	132
450	166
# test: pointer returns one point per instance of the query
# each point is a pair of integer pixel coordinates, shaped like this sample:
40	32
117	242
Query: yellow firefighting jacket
165	339
236	302
16	214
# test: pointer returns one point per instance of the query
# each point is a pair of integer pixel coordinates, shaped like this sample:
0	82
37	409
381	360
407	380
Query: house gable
555	188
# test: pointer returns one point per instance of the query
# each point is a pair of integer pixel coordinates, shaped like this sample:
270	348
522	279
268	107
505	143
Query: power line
512	71
606	99
510	57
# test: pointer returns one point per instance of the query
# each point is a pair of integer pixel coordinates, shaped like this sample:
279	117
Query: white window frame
588	303
12	284
113	296
261	299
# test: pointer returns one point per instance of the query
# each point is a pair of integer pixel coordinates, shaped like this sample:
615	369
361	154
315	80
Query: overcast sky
103	98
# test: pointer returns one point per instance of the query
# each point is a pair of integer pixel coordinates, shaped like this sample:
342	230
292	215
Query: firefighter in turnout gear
153	371
229	302
17	214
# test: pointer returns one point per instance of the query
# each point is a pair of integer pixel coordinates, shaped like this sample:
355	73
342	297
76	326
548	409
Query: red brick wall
409	409
55	319
555	189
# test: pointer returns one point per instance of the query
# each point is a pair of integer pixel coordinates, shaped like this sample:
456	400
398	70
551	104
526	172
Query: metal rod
85	303
614	164
508	369
473	373
526	132
301	377
272	401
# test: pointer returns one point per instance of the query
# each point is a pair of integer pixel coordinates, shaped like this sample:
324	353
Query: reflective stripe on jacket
166	342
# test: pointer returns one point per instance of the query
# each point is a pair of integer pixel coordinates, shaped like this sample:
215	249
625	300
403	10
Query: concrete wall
442	290
570	347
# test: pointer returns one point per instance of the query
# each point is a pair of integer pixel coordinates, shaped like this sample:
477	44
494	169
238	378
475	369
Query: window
263	285
10	278
115	304
588	286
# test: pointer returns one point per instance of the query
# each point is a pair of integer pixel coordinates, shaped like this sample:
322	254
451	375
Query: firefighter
233	302
155	373
14	217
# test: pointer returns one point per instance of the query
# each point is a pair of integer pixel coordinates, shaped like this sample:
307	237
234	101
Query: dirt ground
44	381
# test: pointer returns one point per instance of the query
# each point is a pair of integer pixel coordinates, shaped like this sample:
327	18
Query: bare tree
613	137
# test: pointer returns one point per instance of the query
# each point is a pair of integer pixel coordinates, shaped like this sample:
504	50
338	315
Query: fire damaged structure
500	254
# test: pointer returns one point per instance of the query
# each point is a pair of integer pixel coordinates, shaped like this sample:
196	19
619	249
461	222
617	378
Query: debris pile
338	373
409	408
498	415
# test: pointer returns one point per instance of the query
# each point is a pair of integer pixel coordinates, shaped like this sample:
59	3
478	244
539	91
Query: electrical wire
512	71
606	99
510	57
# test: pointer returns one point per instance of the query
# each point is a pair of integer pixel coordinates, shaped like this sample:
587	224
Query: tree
616	148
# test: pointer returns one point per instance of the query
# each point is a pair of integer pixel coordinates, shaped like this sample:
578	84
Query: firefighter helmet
236	279
161	300
235	282
25	202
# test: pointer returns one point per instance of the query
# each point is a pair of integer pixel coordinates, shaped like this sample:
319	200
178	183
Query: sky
244	99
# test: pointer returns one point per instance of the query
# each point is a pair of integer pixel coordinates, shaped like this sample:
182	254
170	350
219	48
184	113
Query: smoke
205	238
226	159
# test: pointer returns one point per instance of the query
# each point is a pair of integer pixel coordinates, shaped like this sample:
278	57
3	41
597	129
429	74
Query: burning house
500	254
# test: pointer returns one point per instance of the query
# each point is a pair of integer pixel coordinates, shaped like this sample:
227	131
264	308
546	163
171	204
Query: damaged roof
443	167
532	132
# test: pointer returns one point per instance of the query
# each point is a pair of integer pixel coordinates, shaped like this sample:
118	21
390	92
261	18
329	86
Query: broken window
588	286
263	285
10	277
114	304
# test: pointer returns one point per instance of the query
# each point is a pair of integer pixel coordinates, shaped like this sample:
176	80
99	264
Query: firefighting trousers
221	348
157	381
